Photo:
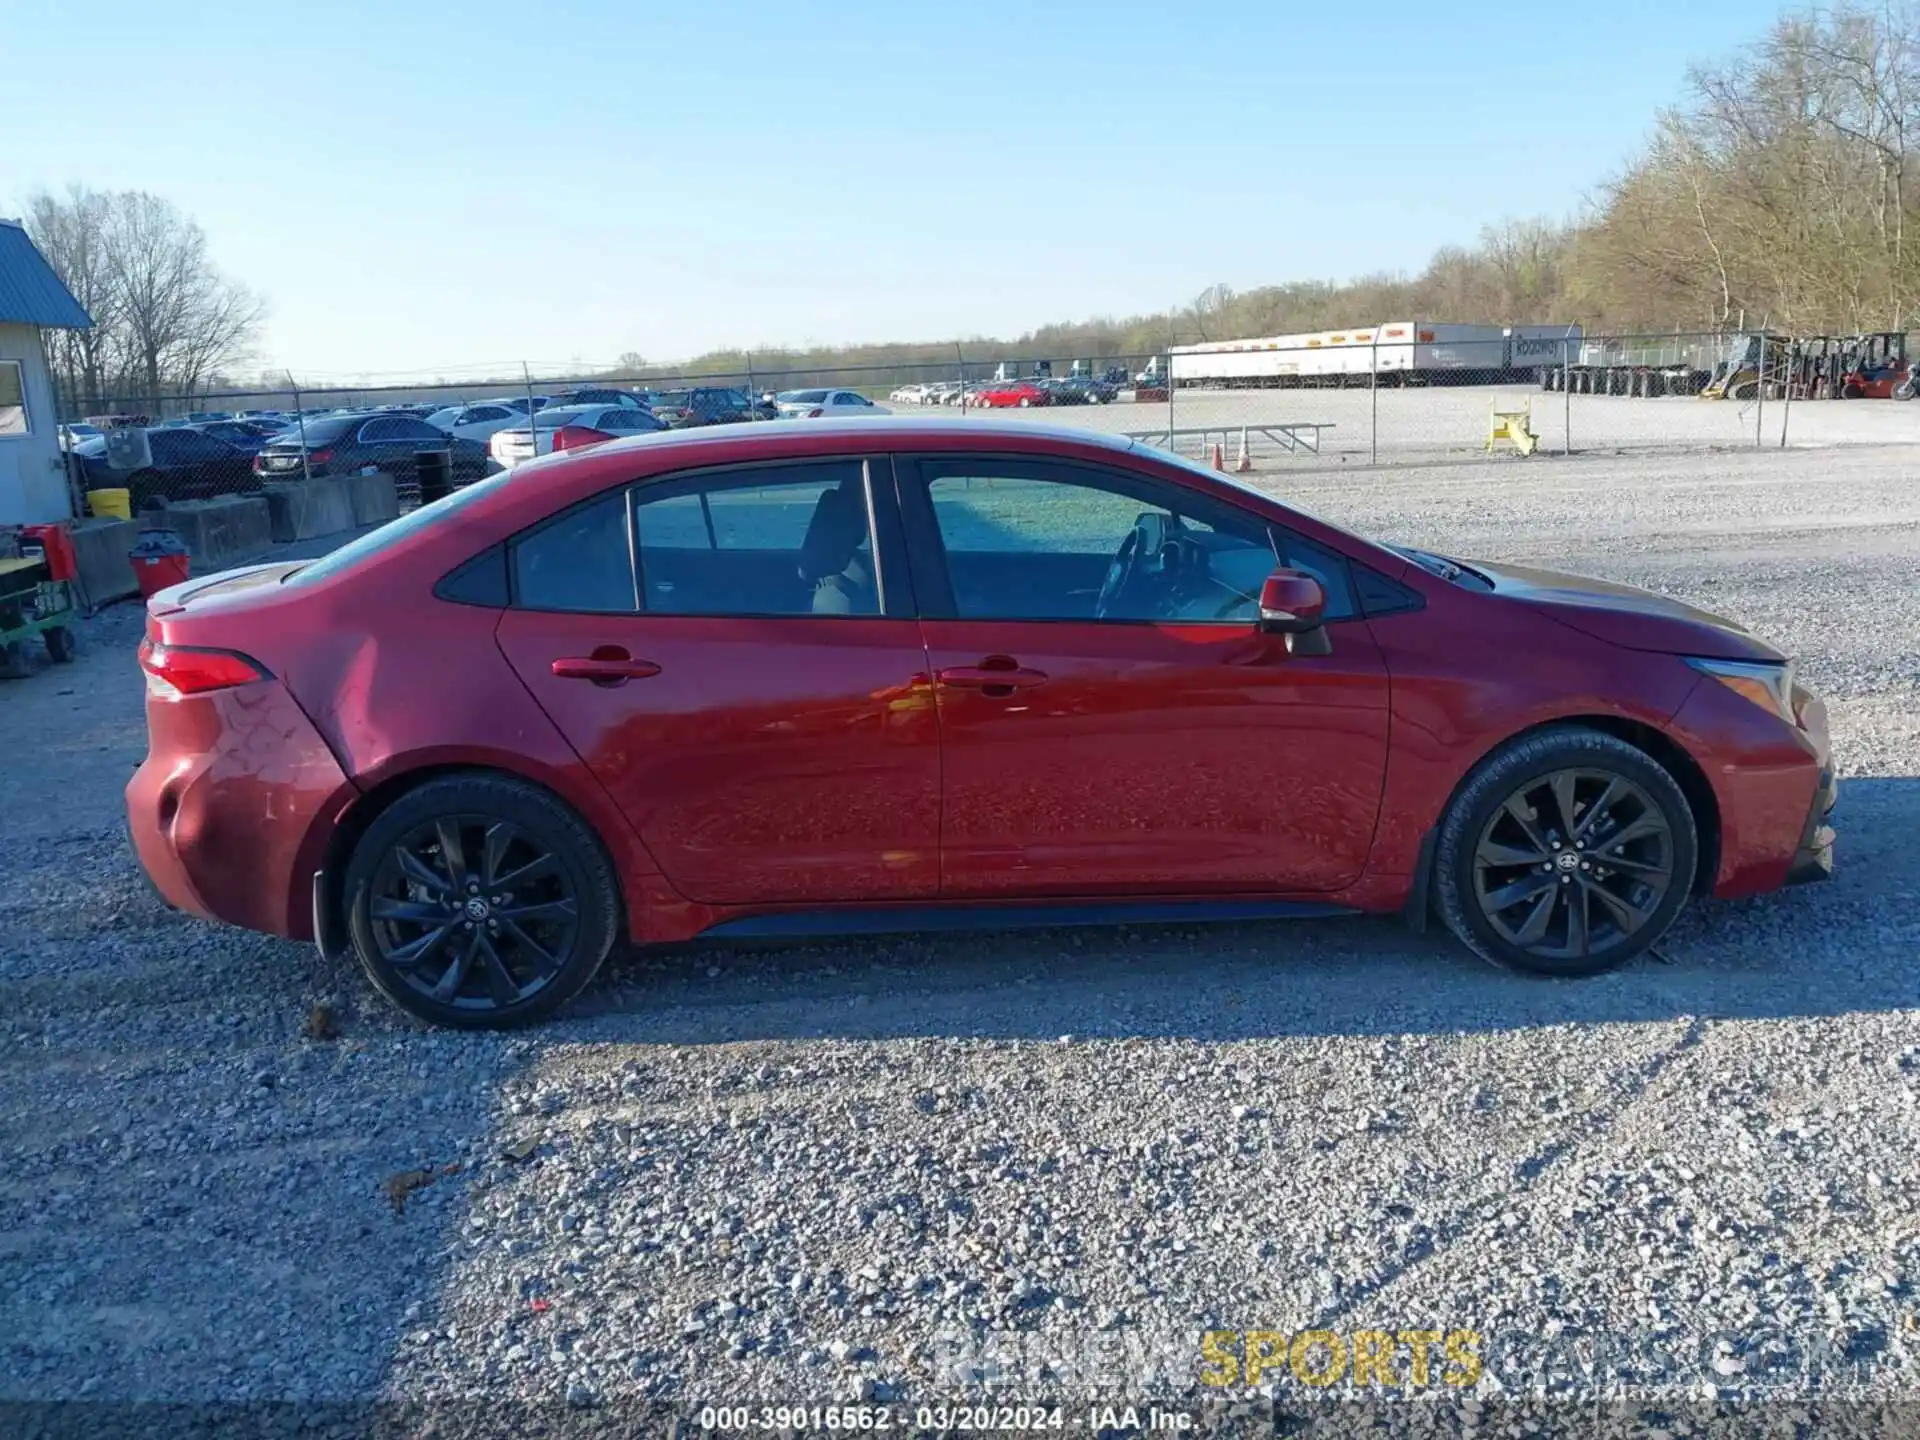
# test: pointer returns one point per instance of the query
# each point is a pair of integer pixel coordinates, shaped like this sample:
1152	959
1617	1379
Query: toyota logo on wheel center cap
1566	860
476	909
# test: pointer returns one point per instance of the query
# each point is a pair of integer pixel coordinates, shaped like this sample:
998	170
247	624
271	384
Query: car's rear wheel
1566	853
480	902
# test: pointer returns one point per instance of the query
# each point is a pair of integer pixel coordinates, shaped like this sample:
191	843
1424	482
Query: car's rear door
735	657
1156	743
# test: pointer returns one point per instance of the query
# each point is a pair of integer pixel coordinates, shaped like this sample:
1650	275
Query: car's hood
1631	618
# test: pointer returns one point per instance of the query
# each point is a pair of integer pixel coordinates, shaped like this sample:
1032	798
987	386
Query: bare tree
164	317
71	233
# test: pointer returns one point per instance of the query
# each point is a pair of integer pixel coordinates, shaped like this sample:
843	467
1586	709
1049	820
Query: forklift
1878	368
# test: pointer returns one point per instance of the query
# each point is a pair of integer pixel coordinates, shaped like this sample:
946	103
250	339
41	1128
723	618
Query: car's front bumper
1814	859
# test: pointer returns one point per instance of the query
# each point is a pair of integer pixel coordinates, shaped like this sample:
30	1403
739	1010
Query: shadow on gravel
1829	949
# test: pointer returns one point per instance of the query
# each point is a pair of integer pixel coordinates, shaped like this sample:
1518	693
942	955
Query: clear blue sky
426	186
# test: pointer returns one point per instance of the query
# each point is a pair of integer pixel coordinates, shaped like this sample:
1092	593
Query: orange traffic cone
1244	465
1219	456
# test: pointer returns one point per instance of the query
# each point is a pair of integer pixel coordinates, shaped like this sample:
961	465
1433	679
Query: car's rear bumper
231	810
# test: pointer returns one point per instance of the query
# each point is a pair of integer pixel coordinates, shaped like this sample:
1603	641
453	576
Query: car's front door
735	657
1112	719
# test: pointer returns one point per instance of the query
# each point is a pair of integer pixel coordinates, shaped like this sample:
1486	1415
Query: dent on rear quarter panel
430	688
1471	671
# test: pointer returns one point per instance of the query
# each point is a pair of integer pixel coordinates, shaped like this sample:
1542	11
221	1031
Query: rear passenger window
792	540
581	561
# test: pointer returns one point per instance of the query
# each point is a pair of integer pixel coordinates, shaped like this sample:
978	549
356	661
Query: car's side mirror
1293	604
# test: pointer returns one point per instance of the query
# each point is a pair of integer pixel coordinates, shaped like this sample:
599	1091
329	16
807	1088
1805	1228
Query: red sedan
1011	394
894	675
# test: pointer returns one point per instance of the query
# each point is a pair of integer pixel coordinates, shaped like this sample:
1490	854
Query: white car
569	427
910	395
814	404
477	422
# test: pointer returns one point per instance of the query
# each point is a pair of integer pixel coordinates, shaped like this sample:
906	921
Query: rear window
328	429
674	397
805	397
374	541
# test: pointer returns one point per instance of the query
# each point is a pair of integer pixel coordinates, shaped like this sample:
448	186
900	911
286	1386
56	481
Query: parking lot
876	1169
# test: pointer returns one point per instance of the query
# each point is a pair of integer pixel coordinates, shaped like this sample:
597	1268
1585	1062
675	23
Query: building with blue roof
33	478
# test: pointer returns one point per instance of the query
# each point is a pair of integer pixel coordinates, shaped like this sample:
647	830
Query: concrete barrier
224	532
100	548
309	509
375	498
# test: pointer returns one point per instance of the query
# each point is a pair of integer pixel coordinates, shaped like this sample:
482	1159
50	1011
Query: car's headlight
1767	684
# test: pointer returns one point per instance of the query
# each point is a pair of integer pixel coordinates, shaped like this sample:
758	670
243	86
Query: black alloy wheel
473	913
1573	863
480	901
1566	852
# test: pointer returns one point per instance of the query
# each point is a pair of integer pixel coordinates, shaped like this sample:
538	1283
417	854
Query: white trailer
1399	352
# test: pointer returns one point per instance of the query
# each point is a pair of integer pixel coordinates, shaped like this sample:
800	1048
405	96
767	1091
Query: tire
1026	402
1512	809
568	915
1851	391
61	644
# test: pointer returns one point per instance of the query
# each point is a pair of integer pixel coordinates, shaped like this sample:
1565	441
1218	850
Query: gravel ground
1004	1166
1451	421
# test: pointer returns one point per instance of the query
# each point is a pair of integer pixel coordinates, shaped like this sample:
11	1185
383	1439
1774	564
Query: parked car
819	404
909	395
709	405
1085	390
937	393
591	395
185	465
569	427
248	435
347	444
478	423
1007	394
617	698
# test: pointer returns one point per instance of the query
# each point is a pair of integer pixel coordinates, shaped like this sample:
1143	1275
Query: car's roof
716	445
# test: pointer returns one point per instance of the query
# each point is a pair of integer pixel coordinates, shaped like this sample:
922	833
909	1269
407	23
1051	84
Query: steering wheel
1120	571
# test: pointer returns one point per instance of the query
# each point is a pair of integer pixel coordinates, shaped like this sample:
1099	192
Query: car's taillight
573	437
173	670
319	457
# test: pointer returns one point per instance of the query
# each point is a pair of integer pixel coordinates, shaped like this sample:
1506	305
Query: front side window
13	398
785	540
1070	543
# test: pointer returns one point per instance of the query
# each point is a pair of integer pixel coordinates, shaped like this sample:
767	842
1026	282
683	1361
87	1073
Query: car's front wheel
481	902
1566	853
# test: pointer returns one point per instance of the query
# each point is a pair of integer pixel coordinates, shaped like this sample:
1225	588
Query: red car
894	675
1009	394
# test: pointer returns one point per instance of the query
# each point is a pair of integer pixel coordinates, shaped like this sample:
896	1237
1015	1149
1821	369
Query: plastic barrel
111	504
435	469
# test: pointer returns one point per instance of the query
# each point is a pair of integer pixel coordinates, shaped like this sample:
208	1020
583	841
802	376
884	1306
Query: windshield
394	531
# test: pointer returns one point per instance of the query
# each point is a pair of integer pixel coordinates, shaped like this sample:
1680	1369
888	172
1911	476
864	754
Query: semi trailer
1398	352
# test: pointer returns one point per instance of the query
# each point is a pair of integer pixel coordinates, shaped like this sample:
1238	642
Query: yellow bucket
110	504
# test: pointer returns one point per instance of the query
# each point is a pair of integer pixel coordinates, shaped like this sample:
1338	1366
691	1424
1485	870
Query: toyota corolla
896	675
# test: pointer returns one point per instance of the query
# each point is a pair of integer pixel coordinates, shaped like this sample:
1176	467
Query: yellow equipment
1513	426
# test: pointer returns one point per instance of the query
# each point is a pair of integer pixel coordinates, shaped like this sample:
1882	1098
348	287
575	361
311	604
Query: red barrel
156	572
159	559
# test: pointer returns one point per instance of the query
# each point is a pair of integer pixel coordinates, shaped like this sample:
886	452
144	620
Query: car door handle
603	668
991	677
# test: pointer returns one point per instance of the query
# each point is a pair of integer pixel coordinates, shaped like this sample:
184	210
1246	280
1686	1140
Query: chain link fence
1399	393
